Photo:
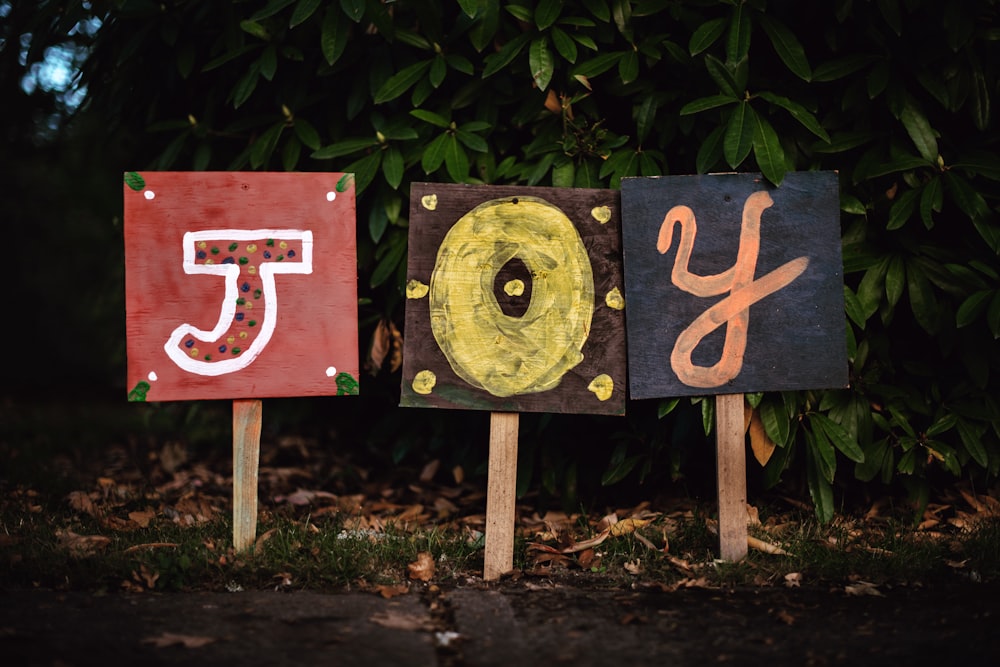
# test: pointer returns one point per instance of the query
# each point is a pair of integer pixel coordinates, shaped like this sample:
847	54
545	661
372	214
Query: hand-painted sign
514	300
733	285
240	285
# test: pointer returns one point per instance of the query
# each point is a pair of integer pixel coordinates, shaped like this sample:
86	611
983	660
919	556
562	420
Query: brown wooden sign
514	300
733	285
240	285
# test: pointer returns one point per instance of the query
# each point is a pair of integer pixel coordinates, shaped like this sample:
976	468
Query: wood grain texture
795	325
501	485
731	474
247	420
597	383
313	349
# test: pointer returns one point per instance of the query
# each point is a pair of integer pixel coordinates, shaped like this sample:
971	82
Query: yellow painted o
503	354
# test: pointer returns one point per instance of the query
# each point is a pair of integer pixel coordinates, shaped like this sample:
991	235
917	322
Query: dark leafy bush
893	94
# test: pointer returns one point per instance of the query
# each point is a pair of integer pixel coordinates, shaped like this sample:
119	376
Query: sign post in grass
734	287
515	303
240	286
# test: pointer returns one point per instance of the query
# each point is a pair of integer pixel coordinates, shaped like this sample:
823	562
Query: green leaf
980	99
973	307
902	209
819	444
485	27
599	8
392	167
547	12
355	9
345	147
920	131
820	490
628	66
134	180
872	287
645	116
270	9
851	204
390	261
706	103
245	86
922	301
563	175
472	141
972	441
268	62
564	44
302	12
839	436
456	161
261	150
597	64
852	306
401	81
931	199
738	43
333	36
433	155
306	133
788	47
895	279
666	406
290	153
541	63
739	135
470	7
722	76
229	56
798	112
775	422
621	12
619	466
439	69
430	117
497	61
710	151
840	68
364	170
255	29
767	148
969	200
705	35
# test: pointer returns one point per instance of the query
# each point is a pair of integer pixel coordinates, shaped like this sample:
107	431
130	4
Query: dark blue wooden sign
733	285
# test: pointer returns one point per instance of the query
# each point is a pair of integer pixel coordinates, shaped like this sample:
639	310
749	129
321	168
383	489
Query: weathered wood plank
501	485
514	300
731	475
733	285
247	419
210	257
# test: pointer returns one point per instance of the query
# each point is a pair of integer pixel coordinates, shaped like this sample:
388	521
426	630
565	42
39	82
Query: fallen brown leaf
422	569
82	546
173	639
398	621
391	591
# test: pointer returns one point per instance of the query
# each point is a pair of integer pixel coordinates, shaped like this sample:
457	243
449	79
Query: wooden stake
501	488
731	469
246	461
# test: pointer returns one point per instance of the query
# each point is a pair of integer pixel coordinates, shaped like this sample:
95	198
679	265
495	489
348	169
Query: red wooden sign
514	300
733	285
240	285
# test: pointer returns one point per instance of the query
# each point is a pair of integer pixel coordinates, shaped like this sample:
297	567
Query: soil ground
512	623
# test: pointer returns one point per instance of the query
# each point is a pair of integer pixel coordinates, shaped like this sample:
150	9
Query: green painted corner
134	180
345	182
138	393
347	385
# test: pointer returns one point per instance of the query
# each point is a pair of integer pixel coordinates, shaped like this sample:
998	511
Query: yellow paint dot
614	299
430	202
424	381
243	335
248	305
202	245
209	261
283	245
194	352
231	340
602	386
601	213
416	289
252	247
252	270
514	287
